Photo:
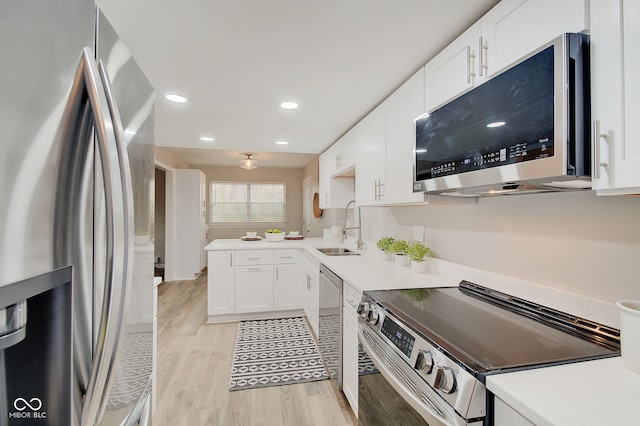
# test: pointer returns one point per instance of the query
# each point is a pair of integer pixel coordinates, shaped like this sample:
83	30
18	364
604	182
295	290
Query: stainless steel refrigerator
76	219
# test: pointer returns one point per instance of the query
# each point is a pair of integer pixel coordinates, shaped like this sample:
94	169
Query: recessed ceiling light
176	98
289	105
282	143
206	138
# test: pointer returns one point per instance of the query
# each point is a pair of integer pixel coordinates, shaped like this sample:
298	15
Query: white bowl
274	237
294	233
252	234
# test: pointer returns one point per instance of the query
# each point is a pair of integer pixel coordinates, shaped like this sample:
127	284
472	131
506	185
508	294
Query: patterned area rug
133	370
330	348
275	352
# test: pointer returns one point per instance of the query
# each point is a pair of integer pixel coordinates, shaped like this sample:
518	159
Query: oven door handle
412	399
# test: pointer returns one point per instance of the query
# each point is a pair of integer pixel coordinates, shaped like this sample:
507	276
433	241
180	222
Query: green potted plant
418	252
384	247
399	249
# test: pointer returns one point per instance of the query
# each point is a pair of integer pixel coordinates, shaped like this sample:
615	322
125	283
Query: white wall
576	242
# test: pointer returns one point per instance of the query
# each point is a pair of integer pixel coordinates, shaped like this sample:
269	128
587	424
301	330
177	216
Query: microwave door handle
110	323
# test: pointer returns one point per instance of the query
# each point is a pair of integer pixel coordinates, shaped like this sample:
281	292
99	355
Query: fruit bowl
274	237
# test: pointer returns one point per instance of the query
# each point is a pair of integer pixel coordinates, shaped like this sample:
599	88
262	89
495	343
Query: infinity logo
21	404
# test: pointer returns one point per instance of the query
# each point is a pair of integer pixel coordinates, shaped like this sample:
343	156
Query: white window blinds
247	202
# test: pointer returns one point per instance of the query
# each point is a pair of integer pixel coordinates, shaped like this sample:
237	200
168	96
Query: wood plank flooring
194	366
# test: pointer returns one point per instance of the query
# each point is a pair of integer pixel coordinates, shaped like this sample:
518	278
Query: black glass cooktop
486	337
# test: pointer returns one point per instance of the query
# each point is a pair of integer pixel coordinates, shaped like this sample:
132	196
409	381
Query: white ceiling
237	60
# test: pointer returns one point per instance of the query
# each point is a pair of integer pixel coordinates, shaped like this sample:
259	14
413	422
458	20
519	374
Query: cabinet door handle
596	149
254	269
482	51
277	269
253	258
470	56
231	259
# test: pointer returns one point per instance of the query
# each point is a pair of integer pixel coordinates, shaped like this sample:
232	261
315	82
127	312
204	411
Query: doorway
160	223
164	228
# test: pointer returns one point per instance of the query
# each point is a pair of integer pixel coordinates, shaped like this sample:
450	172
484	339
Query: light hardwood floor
194	365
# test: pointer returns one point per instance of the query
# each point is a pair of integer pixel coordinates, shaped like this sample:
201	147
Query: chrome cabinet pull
470	56
596	149
482	60
231	259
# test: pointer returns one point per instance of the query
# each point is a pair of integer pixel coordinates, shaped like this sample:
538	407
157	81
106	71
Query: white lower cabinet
351	298
254	288
285	280
252	281
221	283
311	291
505	415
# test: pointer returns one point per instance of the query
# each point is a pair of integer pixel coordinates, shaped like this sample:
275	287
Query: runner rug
275	352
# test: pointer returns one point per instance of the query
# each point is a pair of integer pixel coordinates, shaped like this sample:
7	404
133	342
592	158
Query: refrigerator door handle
119	223
140	415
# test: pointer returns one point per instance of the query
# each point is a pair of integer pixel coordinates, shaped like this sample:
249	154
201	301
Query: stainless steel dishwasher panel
330	324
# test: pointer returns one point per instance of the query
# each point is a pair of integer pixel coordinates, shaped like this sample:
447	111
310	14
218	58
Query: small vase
401	259
384	255
419	267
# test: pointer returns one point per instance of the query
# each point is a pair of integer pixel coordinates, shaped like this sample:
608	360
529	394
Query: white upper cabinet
514	28
371	164
335	190
386	141
403	106
344	153
615	64
454	69
510	30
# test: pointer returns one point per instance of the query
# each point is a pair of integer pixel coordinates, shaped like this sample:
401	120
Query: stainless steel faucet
360	243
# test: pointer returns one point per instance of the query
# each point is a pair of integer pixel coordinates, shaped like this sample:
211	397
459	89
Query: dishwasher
330	324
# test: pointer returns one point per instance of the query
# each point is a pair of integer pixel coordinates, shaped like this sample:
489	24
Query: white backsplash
576	242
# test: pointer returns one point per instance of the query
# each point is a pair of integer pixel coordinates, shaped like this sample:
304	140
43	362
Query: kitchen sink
337	251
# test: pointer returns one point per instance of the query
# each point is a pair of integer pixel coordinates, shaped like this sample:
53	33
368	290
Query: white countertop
602	392
369	272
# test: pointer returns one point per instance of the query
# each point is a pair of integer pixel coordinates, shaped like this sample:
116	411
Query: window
235	203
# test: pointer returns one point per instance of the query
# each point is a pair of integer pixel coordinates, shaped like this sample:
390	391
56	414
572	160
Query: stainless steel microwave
524	130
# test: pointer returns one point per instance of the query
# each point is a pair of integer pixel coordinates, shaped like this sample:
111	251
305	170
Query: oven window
378	401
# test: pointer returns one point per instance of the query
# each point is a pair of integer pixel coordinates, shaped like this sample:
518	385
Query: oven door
392	392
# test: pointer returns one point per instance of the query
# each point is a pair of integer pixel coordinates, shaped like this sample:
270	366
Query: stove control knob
445	380
373	316
363	309
424	362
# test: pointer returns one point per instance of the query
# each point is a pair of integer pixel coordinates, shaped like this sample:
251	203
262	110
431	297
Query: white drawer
351	297
254	257
285	256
